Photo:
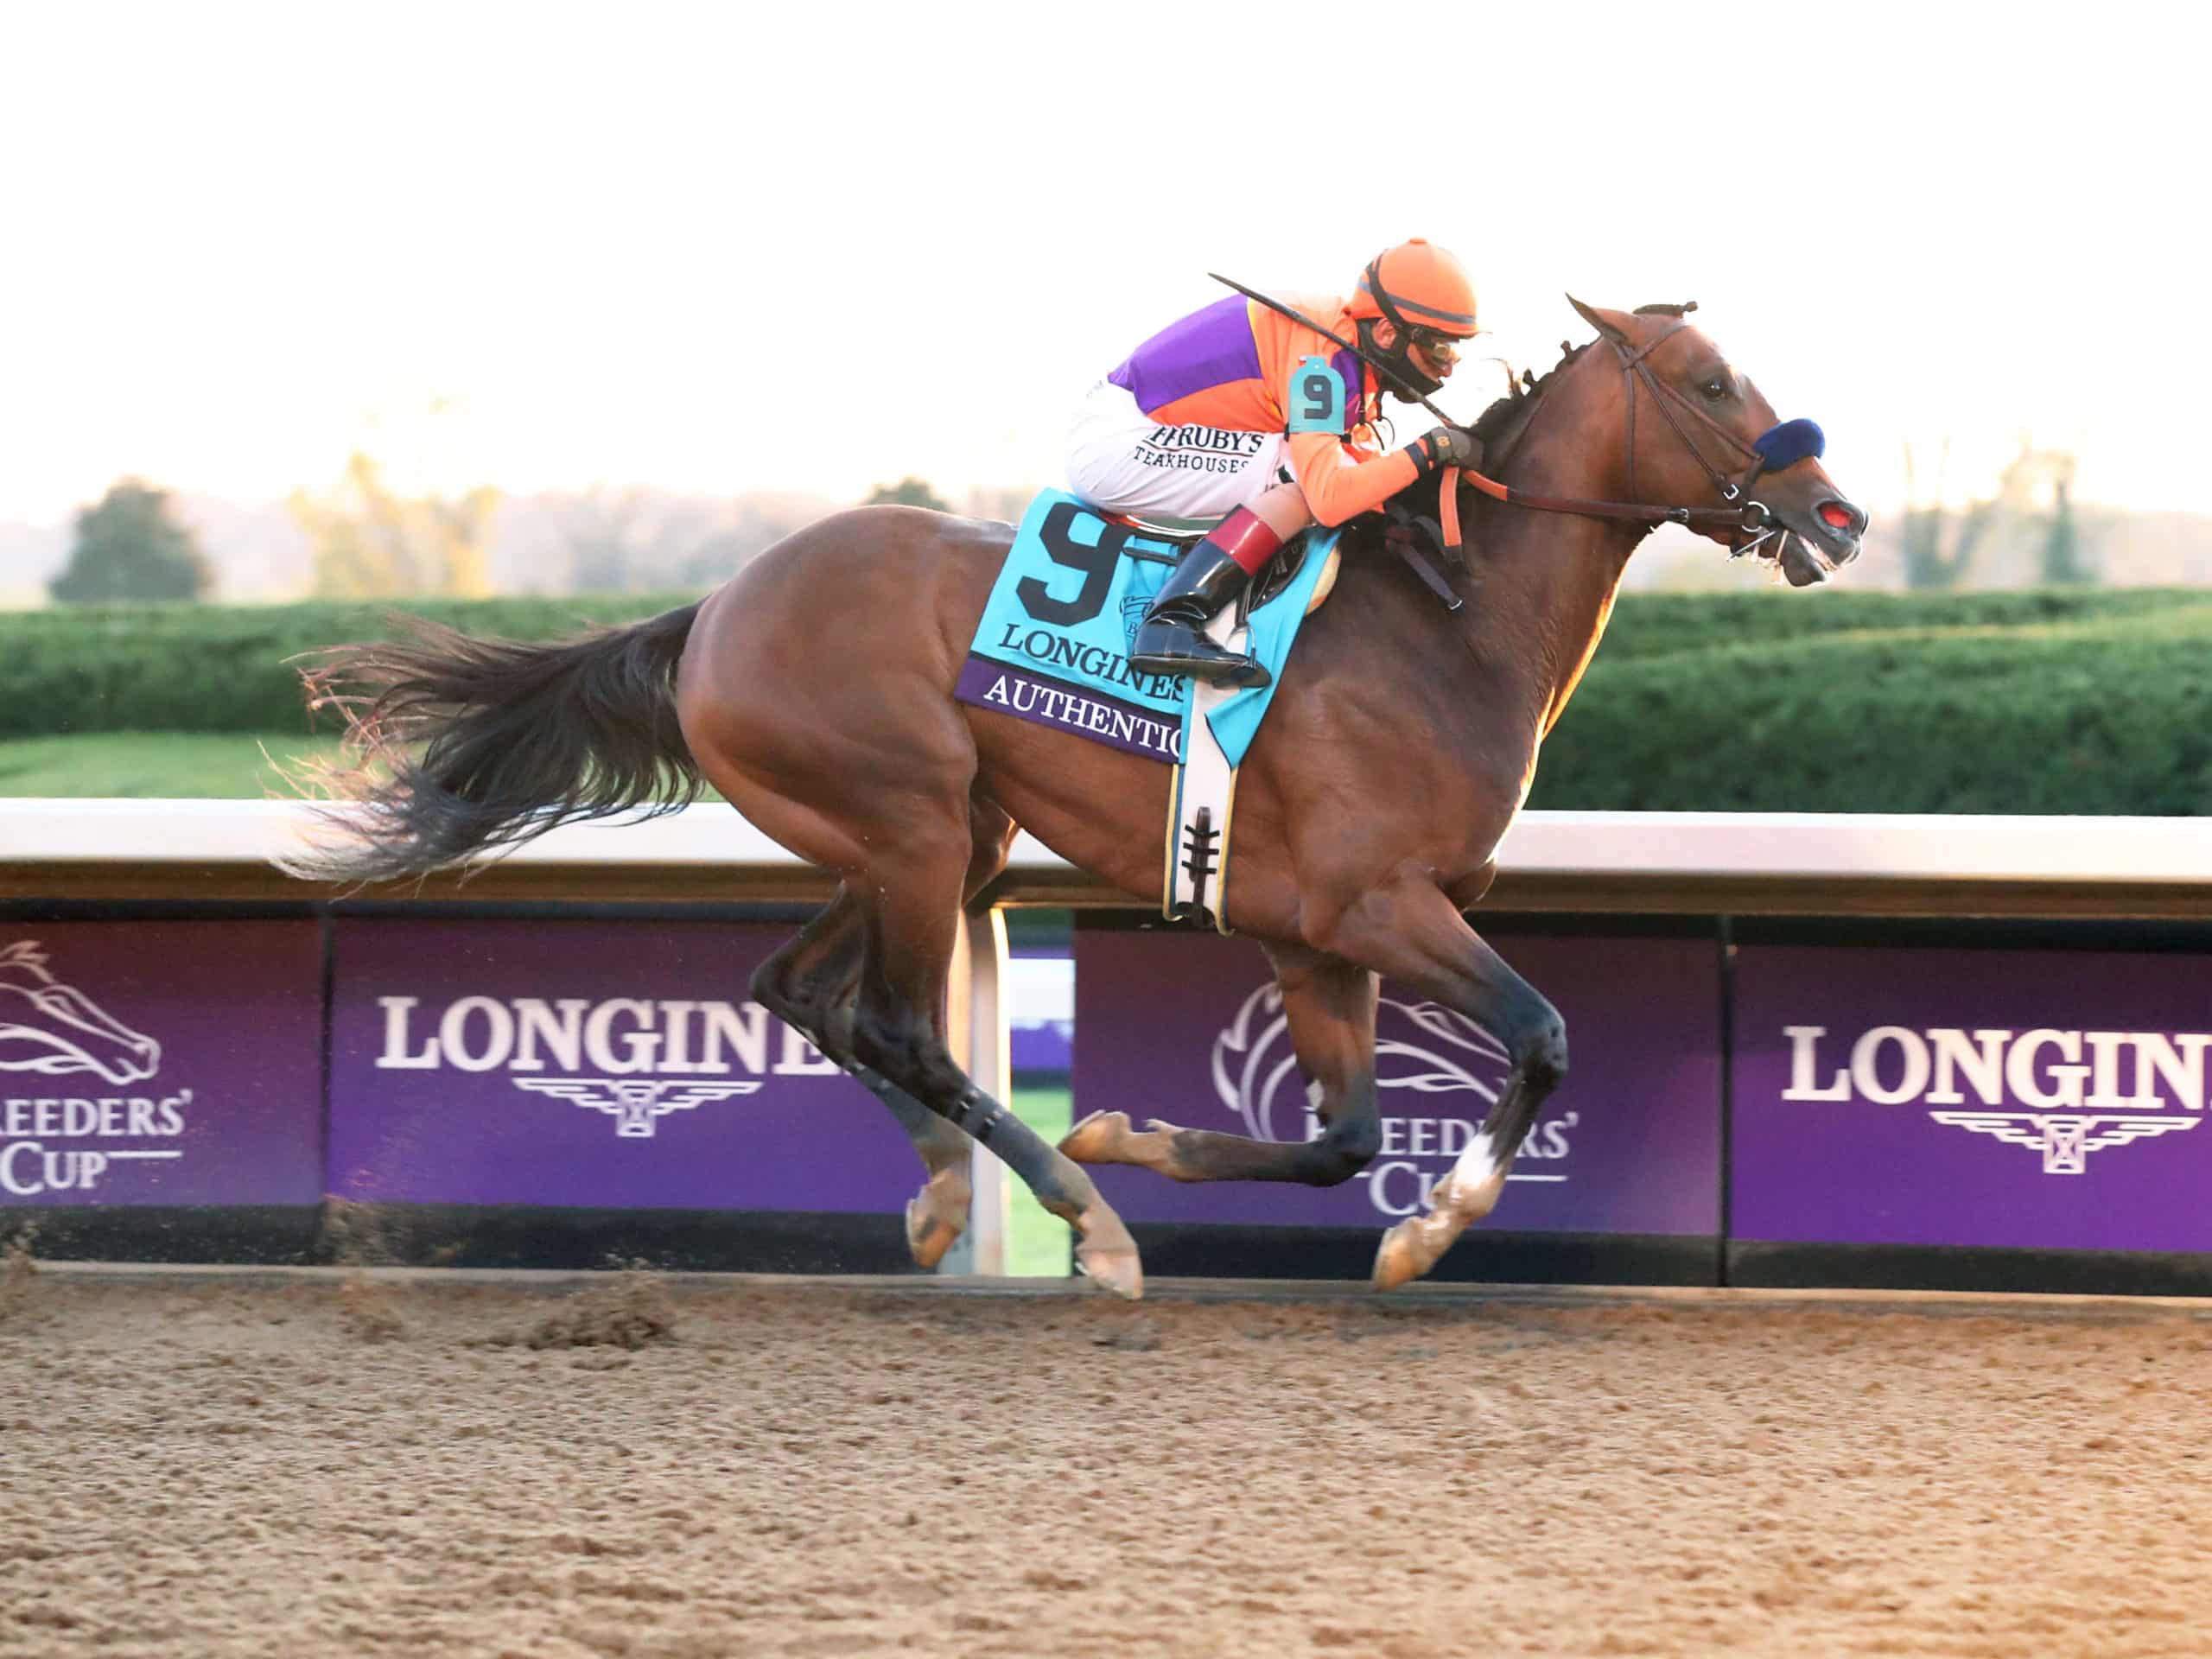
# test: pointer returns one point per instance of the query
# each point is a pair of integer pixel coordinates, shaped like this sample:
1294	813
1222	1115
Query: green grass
1037	1244
202	765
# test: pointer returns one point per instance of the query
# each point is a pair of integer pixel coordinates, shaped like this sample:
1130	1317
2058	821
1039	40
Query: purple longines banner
598	1065
1190	1029
160	1062
2009	1098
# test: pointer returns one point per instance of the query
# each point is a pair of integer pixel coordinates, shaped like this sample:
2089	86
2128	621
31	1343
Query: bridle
1749	524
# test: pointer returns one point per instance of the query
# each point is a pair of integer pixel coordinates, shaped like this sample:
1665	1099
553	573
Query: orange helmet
1417	286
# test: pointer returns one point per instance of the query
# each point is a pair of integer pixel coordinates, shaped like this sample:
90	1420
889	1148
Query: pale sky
725	249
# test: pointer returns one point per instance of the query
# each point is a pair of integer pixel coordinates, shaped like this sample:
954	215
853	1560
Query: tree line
371	540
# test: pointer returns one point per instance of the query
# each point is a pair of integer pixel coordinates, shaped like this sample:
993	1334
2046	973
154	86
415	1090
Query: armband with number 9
1317	398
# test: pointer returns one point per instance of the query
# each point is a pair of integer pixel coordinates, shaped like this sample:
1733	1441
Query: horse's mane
1501	423
1497	426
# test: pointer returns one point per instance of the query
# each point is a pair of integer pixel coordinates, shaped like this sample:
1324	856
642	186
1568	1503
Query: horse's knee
1344	1149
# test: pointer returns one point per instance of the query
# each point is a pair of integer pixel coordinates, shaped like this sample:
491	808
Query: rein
1751	519
1748	518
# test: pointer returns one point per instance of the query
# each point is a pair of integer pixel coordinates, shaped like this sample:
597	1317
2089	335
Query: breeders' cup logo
1132	610
48	1027
1420	1047
51	1029
2063	1094
636	1061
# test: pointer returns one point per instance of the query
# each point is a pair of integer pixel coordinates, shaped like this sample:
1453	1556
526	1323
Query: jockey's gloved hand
1444	446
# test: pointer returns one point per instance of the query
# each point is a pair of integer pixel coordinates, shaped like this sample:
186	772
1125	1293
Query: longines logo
1256	1077
51	1029
634	1060
2058	1093
634	1103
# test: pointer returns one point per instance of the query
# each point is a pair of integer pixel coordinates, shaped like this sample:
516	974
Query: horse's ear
1611	325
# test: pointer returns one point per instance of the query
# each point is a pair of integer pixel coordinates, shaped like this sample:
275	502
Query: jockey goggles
1439	348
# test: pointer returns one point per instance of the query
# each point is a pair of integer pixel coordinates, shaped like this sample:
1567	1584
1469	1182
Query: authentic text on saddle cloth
1053	645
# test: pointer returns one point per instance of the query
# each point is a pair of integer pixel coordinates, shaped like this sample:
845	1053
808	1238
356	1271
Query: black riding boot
1173	641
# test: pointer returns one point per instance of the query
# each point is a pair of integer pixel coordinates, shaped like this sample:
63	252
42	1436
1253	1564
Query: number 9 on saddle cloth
1053	644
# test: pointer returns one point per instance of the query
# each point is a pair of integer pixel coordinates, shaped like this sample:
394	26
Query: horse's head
1699	435
50	1028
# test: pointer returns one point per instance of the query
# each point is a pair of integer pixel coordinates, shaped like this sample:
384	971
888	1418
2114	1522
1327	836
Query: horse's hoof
936	1216
1107	1253
928	1235
1400	1257
1097	1138
1119	1271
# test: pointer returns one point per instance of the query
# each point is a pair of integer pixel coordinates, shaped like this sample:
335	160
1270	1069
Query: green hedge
1999	702
210	668
1660	625
2056	701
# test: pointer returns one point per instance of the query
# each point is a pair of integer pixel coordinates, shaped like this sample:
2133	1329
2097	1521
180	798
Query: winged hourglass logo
2063	1138
634	1103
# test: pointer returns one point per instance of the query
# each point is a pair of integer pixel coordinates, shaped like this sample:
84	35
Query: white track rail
1650	847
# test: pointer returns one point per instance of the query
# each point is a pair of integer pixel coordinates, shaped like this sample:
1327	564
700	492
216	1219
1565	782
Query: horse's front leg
1329	1006
1409	931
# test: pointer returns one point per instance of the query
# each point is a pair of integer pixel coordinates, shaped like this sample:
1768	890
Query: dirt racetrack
409	1465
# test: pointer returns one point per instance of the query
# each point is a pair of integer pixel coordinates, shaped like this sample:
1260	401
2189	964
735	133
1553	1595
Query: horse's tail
457	746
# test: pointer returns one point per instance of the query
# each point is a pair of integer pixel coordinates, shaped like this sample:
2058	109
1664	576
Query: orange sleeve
1338	484
1340	480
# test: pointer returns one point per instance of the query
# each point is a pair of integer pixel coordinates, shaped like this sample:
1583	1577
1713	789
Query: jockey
1238	411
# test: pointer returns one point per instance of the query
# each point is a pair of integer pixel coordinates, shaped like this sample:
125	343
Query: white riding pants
1121	460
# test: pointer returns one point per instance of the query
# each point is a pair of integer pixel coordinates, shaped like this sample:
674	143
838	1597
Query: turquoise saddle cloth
1053	644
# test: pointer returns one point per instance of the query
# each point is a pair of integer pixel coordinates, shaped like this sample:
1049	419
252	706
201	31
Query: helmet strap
1398	355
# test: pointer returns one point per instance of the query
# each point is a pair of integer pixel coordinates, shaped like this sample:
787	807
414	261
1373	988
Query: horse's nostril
1837	515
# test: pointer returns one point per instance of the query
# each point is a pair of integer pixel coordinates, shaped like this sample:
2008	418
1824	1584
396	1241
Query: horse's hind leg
1330	1004
809	984
910	897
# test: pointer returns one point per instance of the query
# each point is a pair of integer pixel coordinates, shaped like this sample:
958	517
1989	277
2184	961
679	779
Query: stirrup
1188	654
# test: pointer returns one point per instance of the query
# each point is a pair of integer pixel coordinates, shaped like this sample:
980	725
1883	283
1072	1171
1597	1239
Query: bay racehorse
814	690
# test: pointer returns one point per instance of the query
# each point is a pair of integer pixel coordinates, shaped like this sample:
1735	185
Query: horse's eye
1715	390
